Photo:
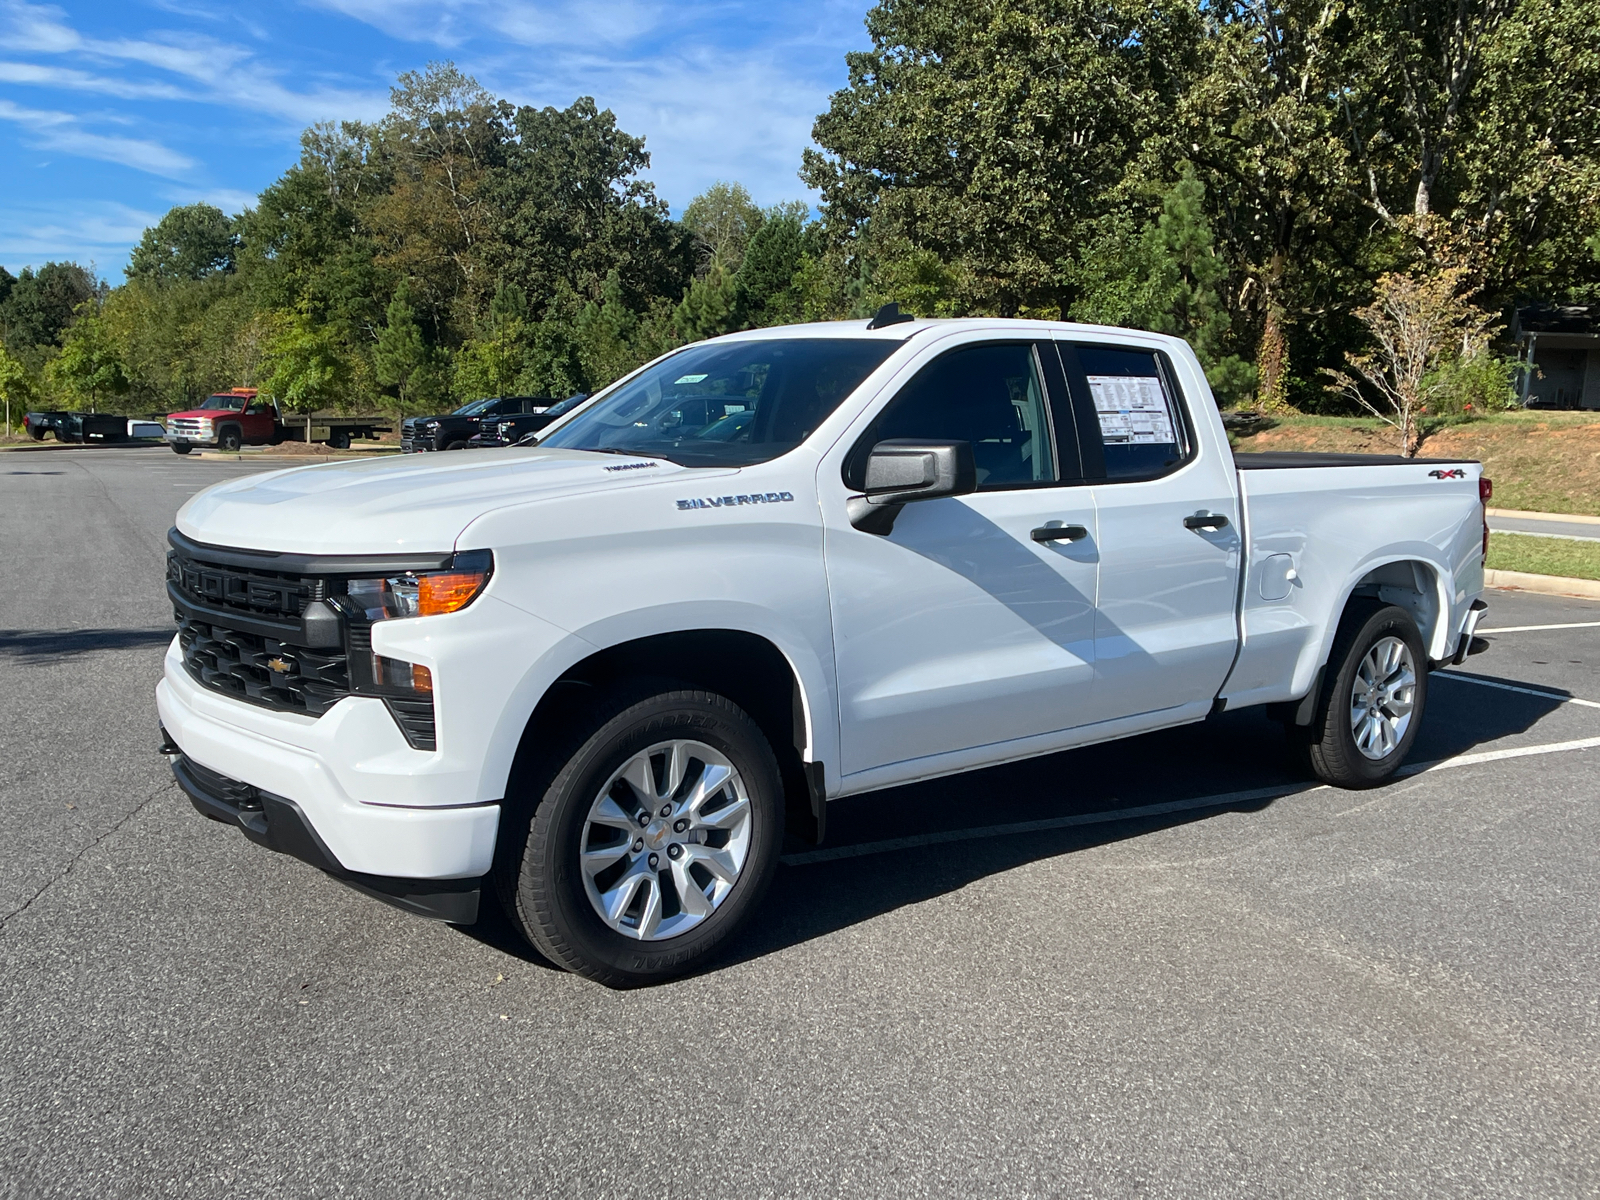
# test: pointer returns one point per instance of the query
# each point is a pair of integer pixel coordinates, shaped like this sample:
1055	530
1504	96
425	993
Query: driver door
962	628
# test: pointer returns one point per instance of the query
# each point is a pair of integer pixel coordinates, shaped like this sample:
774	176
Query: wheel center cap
655	835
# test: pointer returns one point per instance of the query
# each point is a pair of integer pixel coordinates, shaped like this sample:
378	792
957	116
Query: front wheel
181	447
228	441
1373	705
653	842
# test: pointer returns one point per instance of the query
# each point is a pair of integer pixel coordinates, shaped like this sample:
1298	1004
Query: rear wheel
1372	706
651	842
339	441
36	434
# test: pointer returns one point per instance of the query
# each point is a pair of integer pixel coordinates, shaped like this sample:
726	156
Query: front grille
187	426
237	589
262	670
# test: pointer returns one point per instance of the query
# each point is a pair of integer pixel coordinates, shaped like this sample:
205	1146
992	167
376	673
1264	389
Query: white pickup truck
608	674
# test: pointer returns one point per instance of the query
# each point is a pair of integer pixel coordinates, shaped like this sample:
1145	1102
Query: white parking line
1531	628
1221	800
1508	687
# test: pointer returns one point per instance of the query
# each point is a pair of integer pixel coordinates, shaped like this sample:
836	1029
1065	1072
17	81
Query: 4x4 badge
1452	473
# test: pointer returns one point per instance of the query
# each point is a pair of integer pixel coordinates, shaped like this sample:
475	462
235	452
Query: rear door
1165	625
959	629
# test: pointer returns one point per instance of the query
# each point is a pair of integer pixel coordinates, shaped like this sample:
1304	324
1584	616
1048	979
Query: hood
206	412
417	503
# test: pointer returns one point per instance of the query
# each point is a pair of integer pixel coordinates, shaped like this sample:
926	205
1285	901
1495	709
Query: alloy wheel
665	841
1382	698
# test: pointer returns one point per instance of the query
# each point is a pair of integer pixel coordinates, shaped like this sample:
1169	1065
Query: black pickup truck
509	431
455	431
87	428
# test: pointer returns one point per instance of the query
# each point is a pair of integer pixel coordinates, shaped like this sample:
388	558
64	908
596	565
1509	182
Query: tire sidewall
559	916
1390	621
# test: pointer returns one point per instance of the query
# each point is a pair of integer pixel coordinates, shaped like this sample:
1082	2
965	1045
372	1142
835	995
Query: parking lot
1164	967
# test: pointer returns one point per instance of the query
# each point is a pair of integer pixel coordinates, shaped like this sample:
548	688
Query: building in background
1562	345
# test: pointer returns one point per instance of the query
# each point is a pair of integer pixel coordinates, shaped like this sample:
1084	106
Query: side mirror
902	470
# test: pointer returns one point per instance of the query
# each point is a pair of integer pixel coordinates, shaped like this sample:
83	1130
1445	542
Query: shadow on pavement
1232	753
52	643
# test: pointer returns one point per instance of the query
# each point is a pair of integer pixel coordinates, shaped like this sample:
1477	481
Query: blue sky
111	113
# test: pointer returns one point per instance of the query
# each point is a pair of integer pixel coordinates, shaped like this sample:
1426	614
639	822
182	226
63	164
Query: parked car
605	676
242	417
455	430
523	429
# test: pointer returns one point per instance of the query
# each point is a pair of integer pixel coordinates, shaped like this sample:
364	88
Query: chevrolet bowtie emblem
278	666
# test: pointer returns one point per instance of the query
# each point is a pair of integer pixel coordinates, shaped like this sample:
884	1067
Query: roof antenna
889	314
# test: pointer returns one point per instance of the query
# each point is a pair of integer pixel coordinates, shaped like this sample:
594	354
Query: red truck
241	417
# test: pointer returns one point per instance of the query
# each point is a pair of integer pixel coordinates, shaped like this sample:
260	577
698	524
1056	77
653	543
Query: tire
1372	706
181	447
339	441
458	444
641	861
228	441
36	434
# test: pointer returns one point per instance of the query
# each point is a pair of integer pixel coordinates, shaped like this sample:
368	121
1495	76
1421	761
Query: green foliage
712	305
724	219
403	359
40	305
1166	277
89	368
16	389
303	367
190	242
1472	385
771	265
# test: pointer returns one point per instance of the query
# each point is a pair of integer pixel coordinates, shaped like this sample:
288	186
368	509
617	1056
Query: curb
1544	585
1575	518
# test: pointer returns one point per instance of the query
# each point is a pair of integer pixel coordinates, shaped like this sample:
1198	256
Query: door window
1135	414
990	395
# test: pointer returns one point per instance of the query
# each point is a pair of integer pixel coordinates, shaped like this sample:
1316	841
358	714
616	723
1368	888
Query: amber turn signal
448	591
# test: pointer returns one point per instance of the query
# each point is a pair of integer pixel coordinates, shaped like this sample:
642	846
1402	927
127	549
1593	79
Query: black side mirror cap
902	470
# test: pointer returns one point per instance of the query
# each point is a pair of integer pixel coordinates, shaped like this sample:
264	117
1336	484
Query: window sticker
689	379
1133	410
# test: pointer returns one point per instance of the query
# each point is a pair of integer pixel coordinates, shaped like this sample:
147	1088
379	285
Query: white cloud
59	131
92	231
82	81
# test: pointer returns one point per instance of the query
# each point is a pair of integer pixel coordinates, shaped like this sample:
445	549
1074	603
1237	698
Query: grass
1544	556
1539	461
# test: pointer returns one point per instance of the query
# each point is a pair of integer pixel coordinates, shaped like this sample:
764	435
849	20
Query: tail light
1485	494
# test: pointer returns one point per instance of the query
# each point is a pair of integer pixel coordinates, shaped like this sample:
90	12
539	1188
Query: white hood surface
416	503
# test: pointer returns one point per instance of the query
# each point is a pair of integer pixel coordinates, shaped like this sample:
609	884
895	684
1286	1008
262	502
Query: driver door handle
1059	533
1205	521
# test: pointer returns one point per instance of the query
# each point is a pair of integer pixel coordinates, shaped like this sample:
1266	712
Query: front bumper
280	824
355	746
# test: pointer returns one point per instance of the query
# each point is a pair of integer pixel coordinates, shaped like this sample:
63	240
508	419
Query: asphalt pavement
1166	967
1546	526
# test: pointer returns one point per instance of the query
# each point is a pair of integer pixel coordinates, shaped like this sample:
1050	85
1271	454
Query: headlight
423	593
431	425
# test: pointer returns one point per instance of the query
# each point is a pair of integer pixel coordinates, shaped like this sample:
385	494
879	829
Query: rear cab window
1128	411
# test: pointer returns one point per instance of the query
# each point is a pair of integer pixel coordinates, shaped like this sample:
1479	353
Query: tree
1419	326
190	242
403	358
572	210
992	135
41	304
89	367
1167	278
303	368
15	386
771	266
724	219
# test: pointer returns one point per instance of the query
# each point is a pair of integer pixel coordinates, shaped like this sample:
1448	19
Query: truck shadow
1235	753
955	826
43	644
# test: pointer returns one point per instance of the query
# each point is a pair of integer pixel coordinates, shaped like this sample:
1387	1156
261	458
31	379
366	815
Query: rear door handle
1059	533
1205	521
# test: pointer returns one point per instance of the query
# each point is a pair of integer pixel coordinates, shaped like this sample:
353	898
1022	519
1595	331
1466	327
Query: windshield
476	408
726	403
226	403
